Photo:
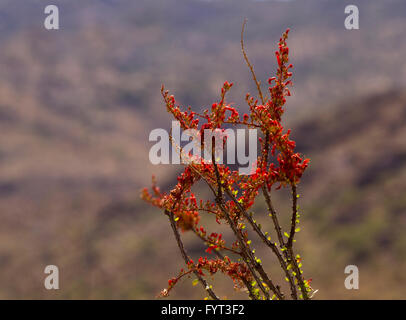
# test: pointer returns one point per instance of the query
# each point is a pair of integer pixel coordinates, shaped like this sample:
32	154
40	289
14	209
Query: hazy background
77	106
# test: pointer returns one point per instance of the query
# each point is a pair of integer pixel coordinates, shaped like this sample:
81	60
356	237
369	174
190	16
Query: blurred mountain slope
353	194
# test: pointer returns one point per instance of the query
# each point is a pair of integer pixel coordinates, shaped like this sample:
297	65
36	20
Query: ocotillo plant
278	166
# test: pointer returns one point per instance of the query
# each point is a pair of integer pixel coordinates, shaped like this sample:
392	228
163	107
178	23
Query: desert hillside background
77	106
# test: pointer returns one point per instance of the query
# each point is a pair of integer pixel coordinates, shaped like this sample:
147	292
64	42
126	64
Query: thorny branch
265	117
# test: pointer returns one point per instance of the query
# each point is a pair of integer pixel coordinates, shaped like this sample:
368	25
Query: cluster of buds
187	119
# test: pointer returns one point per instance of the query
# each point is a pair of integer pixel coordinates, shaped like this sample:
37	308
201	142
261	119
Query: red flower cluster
186	118
238	272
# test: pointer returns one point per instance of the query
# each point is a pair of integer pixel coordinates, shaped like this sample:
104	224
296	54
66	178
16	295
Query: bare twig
254	77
